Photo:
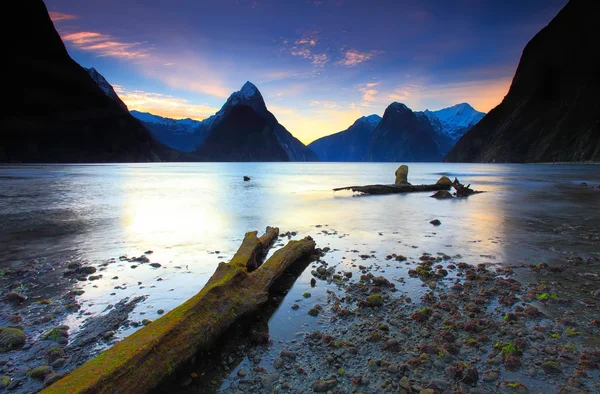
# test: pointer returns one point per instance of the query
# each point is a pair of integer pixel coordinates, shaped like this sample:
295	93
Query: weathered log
462	190
389	189
141	361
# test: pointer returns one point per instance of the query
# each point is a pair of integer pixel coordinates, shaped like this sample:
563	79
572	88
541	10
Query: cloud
368	91
353	57
324	104
163	105
105	45
60	16
305	47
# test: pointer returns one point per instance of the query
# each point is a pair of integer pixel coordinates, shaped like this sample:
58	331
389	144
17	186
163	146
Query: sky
319	64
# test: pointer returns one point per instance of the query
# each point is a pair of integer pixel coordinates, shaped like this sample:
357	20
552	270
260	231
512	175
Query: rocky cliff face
57	112
244	130
351	144
404	136
552	110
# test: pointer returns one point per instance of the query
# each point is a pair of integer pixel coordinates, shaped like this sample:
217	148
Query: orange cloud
354	57
59	16
163	105
105	45
368	91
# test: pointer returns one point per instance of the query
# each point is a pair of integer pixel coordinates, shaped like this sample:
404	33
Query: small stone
85	270
108	334
295	306
444	180
146	322
321	386
155	265
15	298
288	354
278	363
160	311
551	367
442	194
242	372
58	363
491	376
402	175
435	222
95	277
39	373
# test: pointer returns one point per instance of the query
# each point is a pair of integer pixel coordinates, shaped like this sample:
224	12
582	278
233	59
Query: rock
551	367
314	311
108	334
246	178
51	378
442	194
11	338
146	322
405	383
374	300
85	270
596	294
39	373
15	298
435	222
54	354
278	363
242	372
444	181
295	306
402	175
4	381
471	376
58	363
321	386
95	277
288	354
491	376
160	311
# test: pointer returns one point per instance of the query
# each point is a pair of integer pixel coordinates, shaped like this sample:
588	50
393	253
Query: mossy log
141	361
389	189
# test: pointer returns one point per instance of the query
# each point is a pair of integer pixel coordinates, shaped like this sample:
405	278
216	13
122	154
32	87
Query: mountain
57	112
552	110
245	130
454	121
403	135
105	86
181	134
351	144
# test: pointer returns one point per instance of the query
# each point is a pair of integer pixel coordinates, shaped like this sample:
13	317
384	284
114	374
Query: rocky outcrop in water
552	110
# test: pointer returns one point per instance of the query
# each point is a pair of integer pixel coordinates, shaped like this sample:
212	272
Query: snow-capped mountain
454	121
351	144
244	130
182	134
105	86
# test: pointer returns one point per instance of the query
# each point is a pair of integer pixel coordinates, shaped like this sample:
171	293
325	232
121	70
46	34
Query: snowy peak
183	125
372	119
248	95
454	121
397	107
105	86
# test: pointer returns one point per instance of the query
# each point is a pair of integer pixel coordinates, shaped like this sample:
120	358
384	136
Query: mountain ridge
551	111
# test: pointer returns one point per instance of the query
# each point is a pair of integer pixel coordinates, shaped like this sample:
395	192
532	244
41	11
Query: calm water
194	215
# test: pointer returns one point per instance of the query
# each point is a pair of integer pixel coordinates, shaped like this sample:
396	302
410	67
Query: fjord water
194	215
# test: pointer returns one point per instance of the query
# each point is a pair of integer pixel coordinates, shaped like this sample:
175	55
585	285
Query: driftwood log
389	189
462	190
141	361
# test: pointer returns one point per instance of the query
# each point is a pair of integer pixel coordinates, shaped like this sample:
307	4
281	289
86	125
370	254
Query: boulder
444	181
442	194
11	338
402	175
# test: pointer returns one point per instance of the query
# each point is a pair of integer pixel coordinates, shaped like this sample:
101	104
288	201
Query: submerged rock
246	178
442	194
15	298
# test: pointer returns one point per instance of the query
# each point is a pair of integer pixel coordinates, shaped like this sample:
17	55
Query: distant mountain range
401	135
552	110
57	112
242	130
